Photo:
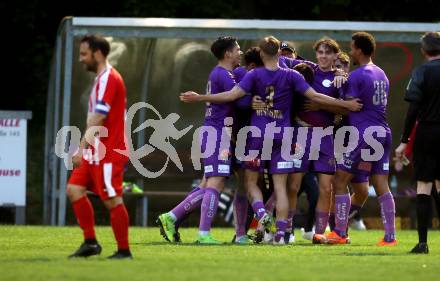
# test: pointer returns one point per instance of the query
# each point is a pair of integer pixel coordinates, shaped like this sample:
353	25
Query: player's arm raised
224	97
324	100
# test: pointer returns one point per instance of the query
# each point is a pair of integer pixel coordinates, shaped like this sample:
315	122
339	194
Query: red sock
85	216
119	221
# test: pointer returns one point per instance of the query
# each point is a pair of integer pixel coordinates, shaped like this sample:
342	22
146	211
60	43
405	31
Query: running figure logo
164	129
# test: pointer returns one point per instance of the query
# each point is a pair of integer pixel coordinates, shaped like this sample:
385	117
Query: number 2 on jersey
270	91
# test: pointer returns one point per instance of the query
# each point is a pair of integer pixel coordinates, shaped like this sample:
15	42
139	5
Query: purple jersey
243	110
321	84
245	102
239	73
370	84
220	80
218	164
285	62
276	88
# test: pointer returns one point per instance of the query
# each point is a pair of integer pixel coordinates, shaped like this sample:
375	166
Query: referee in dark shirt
423	95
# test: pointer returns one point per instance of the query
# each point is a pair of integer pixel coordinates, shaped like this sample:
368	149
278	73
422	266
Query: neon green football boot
167	227
207	240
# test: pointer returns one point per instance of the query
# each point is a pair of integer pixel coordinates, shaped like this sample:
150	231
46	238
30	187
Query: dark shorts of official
427	152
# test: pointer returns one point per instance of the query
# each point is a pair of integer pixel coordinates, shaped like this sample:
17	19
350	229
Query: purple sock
197	188
331	221
209	208
321	220
189	204
354	209
388	212
281	229
240	213
270	203
342	208
290	216
181	219
259	209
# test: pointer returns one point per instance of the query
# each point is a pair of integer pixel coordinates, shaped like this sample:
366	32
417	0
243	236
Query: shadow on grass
59	259
366	254
182	244
36	259
229	244
226	244
325	245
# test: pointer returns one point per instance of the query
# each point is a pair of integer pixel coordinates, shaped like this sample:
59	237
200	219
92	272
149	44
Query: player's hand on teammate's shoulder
189	97
340	78
257	103
354	105
341	72
339	81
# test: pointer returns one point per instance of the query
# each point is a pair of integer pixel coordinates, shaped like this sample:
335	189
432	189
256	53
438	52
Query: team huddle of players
279	97
271	122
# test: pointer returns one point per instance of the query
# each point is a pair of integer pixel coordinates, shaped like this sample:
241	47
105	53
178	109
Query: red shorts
104	179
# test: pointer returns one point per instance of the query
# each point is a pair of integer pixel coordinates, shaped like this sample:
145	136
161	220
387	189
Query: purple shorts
276	164
219	163
359	178
353	163
325	162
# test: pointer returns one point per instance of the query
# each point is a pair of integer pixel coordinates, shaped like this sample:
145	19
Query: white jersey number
380	94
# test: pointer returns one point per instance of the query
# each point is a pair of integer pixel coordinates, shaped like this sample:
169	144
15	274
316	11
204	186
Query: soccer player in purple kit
371	85
275	85
243	114
326	50
217	166
359	183
309	182
309	185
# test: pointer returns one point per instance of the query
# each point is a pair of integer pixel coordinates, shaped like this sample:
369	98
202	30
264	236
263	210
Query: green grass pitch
39	253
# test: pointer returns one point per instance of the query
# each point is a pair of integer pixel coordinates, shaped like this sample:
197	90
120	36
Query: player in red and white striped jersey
98	166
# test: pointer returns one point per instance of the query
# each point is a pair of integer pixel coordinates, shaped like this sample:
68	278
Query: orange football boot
383	243
330	238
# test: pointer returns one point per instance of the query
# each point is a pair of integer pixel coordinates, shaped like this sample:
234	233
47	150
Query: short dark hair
329	43
430	42
221	45
364	41
269	45
97	42
307	72
252	55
